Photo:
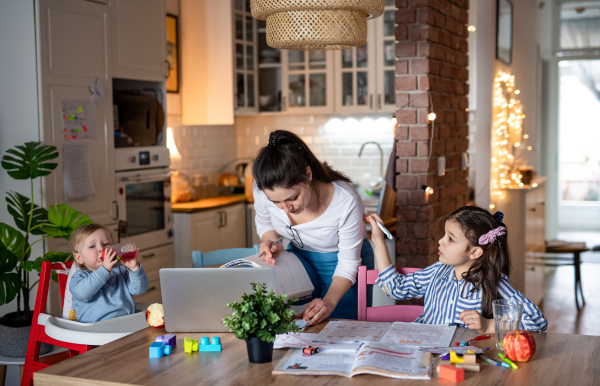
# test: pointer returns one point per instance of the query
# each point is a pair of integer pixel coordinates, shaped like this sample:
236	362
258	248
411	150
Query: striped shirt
445	297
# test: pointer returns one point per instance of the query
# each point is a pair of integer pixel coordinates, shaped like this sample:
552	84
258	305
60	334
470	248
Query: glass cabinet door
355	76
386	56
245	62
307	81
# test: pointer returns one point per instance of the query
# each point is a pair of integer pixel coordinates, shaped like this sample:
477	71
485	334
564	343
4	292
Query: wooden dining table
560	359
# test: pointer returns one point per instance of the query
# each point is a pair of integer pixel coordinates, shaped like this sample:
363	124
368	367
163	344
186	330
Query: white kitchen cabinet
207	231
385	56
153	260
307	82
245	63
73	51
207	92
525	218
139	40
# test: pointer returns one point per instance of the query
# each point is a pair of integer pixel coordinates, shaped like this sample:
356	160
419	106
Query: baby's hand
132	264
475	321
110	259
376	233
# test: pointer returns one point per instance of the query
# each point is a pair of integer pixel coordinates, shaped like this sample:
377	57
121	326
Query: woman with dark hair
319	210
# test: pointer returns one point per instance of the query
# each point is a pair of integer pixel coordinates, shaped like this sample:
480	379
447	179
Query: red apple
155	316
519	345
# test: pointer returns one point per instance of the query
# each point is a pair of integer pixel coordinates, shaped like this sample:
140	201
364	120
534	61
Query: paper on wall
78	118
78	181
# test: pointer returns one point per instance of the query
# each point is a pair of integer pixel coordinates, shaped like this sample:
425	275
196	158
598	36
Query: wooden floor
559	300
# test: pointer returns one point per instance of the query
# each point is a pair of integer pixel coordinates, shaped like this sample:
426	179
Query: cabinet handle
148	256
168	69
221	220
225	216
370	101
116	204
532	209
151	288
542	203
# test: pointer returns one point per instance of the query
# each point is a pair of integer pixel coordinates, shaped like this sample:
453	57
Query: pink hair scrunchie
491	236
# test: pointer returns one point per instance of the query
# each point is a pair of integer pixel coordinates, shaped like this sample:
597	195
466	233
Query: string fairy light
507	136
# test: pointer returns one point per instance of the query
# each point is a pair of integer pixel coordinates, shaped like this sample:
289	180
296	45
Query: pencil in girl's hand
384	230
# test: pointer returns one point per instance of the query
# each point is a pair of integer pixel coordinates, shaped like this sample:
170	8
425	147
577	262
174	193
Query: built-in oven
144	197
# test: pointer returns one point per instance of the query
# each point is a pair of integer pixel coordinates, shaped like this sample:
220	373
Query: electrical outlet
441	169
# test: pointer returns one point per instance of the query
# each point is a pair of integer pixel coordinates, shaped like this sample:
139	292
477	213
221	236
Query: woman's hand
132	264
475	321
110	259
376	233
270	252
318	310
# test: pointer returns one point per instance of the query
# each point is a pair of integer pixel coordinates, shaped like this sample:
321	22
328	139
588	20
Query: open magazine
388	360
292	279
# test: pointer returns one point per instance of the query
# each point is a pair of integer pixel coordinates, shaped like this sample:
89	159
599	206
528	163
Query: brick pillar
431	56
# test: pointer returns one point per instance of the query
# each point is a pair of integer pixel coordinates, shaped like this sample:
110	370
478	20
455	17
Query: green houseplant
257	318
28	162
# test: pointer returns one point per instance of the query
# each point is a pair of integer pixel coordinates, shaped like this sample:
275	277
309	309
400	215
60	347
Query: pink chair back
399	313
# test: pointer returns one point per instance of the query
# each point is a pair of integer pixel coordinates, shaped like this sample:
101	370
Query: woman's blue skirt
320	268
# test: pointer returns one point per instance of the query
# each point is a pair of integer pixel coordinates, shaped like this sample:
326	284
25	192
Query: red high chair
33	362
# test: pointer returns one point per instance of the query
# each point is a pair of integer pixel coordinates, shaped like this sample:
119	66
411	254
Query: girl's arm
137	281
84	284
533	319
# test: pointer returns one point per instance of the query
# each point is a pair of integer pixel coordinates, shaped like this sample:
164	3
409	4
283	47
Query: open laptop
195	299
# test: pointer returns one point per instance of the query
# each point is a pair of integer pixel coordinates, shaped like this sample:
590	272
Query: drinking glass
507	318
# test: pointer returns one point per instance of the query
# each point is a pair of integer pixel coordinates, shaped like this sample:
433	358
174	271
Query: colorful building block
451	373
213	345
455	358
190	345
159	349
468	366
169	339
469	358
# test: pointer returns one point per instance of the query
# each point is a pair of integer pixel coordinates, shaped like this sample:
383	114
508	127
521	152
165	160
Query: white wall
18	102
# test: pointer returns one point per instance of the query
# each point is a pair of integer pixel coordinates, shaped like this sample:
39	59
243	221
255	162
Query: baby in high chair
472	272
101	289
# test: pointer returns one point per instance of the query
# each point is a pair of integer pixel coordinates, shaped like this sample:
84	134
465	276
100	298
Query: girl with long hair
472	272
318	209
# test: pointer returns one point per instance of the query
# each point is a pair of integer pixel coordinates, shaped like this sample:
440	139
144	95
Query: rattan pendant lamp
316	24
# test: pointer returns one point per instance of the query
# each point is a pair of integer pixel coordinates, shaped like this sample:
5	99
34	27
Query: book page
352	332
323	363
393	360
303	340
292	279
417	334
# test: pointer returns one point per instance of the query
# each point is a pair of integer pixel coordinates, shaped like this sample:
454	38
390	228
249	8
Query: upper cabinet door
355	76
386	55
307	78
245	62
139	40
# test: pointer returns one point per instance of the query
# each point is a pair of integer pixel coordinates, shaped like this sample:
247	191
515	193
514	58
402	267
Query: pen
505	359
273	243
482	337
491	361
387	233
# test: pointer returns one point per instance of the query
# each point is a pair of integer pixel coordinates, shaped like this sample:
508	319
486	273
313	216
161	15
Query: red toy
451	373
311	350
519	345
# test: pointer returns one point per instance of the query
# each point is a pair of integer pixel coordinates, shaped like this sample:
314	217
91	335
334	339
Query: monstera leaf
30	161
19	207
10	282
64	220
12	240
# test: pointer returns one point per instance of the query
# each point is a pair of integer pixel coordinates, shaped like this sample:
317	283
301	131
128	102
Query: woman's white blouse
340	228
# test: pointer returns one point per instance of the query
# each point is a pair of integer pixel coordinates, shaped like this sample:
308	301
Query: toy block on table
190	345
213	345
169	339
455	358
451	373
469	358
159	349
468	366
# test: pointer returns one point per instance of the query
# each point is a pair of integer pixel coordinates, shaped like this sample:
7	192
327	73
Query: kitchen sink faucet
380	155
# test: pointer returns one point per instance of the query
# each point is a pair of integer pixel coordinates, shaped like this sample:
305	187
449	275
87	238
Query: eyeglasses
294	236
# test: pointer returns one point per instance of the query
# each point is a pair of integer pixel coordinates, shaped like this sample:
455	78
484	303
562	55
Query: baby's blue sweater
102	295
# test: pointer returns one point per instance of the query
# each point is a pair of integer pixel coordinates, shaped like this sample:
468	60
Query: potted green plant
257	318
28	162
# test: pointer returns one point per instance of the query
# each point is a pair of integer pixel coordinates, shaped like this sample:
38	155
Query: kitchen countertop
207	203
